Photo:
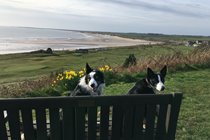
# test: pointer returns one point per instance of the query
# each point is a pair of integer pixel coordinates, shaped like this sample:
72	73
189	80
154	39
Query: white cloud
163	16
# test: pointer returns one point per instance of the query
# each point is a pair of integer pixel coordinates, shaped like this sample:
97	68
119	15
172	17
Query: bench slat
117	117
55	124
3	131
139	113
128	122
104	123
73	102
92	119
14	123
29	132
161	122
68	123
150	120
174	112
80	123
41	124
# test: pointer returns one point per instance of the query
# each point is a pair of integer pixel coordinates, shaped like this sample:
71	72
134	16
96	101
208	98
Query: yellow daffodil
69	75
81	73
106	67
102	69
73	73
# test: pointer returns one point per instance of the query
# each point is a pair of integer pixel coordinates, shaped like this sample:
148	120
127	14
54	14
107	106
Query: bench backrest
78	118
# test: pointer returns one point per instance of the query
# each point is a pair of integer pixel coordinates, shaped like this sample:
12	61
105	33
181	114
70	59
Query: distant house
190	43
197	43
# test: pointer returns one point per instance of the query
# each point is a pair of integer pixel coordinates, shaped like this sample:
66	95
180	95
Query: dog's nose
162	88
92	85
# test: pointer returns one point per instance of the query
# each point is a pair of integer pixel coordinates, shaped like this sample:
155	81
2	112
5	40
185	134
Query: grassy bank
17	67
21	73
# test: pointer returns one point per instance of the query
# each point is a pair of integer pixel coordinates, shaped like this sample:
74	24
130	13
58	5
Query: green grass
157	37
17	67
194	120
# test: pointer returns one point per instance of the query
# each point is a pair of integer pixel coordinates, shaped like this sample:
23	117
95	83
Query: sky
181	17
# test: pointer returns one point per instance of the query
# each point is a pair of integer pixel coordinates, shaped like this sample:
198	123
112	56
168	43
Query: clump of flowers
69	79
105	68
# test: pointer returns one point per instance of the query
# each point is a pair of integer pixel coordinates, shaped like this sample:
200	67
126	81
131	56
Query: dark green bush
130	61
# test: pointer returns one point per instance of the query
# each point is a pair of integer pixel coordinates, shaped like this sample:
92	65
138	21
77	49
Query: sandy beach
71	40
92	39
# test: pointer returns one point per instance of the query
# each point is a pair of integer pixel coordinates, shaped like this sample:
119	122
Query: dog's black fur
90	84
149	85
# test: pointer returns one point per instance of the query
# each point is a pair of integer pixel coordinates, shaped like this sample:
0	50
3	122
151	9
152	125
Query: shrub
130	61
49	51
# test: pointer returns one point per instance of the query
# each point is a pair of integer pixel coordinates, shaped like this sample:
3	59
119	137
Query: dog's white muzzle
160	86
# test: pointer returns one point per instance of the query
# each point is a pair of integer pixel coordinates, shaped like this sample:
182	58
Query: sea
27	39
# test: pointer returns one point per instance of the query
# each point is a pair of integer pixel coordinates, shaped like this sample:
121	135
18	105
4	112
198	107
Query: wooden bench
81	118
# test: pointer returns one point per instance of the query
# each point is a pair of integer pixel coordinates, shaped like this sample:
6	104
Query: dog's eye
88	78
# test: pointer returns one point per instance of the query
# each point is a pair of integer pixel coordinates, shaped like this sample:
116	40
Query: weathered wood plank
80	123
3	120
128	122
55	124
29	131
14	123
47	102
150	121
117	119
104	123
68	123
41	124
161	122
174	113
92	120
139	116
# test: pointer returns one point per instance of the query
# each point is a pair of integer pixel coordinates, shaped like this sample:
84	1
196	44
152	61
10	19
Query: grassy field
17	67
193	82
157	37
194	120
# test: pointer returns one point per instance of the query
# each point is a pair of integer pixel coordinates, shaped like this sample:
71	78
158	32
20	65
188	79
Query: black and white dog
149	85
92	83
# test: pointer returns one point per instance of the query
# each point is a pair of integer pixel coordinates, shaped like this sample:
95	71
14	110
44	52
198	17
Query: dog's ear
88	68
150	73
163	71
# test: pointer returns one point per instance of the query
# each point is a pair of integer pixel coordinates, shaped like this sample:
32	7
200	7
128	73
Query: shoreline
92	41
